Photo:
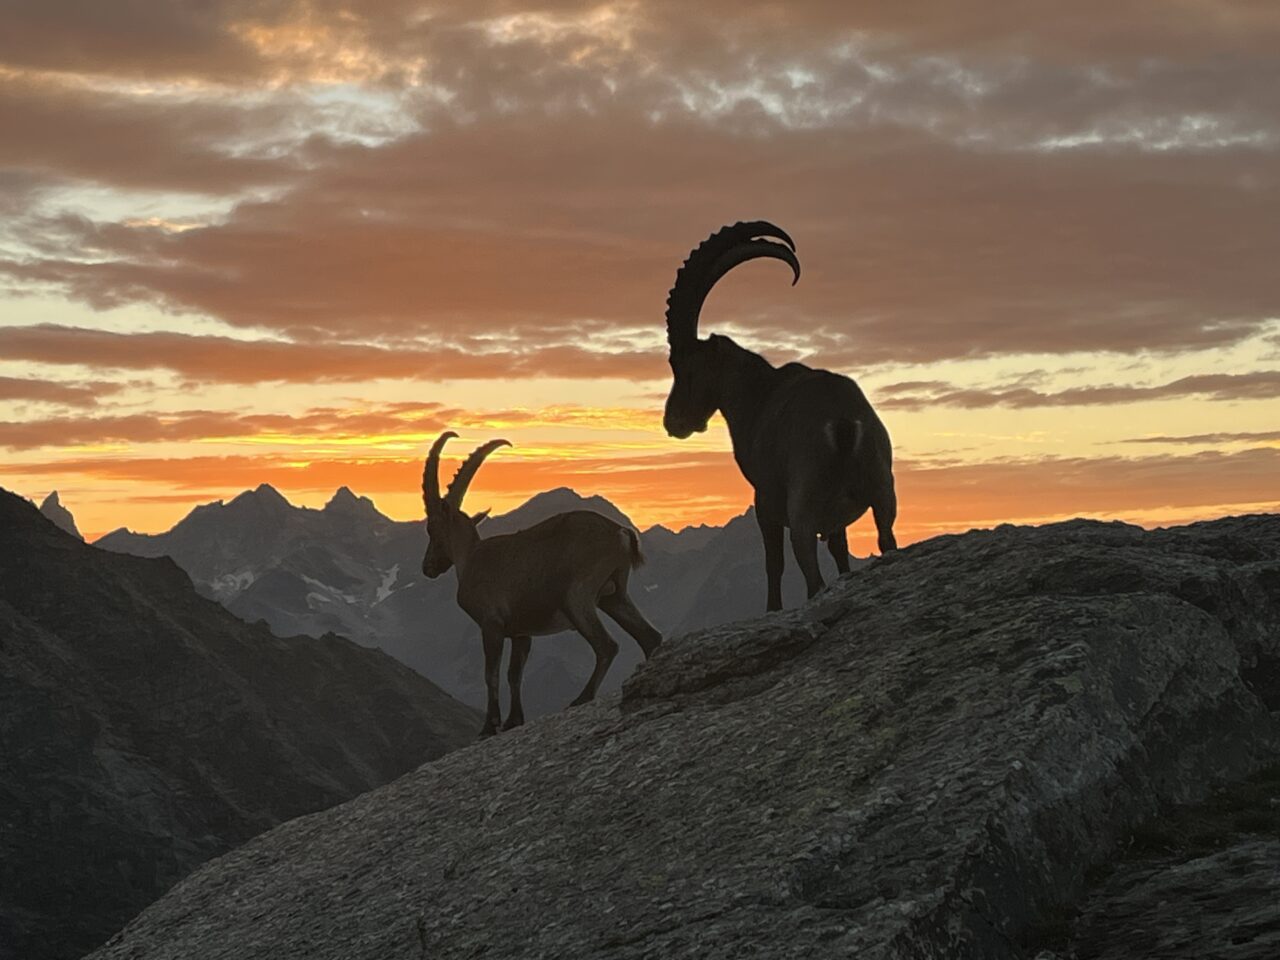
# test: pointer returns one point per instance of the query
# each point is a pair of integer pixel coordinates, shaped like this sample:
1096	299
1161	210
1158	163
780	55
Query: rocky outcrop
143	730
53	509
937	758
1201	882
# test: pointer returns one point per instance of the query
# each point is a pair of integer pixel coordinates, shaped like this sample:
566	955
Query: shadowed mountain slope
145	729
931	760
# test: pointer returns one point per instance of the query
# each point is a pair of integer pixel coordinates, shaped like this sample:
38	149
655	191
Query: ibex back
550	577
807	440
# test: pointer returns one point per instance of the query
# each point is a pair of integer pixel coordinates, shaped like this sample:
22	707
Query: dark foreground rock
939	757
143	730
1200	882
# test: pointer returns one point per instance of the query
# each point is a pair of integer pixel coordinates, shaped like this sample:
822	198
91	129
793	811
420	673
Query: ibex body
550	577
807	440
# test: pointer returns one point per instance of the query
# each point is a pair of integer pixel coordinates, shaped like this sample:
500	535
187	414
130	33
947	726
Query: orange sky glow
290	243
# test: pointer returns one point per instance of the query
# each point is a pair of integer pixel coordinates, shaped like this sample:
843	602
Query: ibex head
695	391
447	526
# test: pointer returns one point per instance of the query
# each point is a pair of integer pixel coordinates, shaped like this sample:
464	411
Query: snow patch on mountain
388	578
333	592
229	584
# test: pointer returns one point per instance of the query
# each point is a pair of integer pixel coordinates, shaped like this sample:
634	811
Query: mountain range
350	570
146	729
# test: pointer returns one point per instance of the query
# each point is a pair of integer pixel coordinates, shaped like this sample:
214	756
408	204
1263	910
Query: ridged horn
431	472
711	260
462	479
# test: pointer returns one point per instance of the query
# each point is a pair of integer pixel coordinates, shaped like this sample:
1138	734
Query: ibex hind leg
585	620
771	534
619	606
885	509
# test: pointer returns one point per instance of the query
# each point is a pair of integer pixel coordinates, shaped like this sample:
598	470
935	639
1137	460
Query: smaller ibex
544	579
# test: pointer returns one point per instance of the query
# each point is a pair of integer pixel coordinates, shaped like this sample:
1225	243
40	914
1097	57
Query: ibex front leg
515	676
771	534
492	638
804	543
838	545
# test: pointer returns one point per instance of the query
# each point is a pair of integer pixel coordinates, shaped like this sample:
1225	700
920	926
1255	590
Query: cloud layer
290	195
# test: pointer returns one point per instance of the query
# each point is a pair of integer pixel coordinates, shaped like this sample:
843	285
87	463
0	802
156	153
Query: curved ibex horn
462	479
431	472
711	260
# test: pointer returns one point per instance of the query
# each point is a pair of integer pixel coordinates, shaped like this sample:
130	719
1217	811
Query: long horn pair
711	260
461	480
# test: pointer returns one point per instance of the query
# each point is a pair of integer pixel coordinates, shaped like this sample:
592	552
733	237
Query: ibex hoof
513	722
488	730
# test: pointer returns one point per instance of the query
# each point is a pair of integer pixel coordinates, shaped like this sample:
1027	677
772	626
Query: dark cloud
111	138
184	38
185	425
1210	439
204	359
321	426
963	180
130	38
913	250
50	391
1258	385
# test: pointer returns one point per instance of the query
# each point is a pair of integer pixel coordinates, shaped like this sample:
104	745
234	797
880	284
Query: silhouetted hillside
945	756
145	729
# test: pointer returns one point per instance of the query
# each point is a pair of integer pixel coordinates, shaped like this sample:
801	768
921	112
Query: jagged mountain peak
263	494
345	502
53	509
558	500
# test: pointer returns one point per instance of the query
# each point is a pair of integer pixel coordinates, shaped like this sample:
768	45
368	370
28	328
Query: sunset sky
290	242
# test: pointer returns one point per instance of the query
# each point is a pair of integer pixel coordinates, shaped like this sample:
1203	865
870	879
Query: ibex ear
482	516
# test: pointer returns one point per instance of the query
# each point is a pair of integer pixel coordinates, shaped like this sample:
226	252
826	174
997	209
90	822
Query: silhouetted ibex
547	578
807	440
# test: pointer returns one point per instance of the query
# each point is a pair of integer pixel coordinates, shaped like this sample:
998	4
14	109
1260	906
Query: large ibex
549	577
807	440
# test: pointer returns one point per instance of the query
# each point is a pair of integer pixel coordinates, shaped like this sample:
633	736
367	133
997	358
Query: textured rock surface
927	761
143	730
1221	906
1200	883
